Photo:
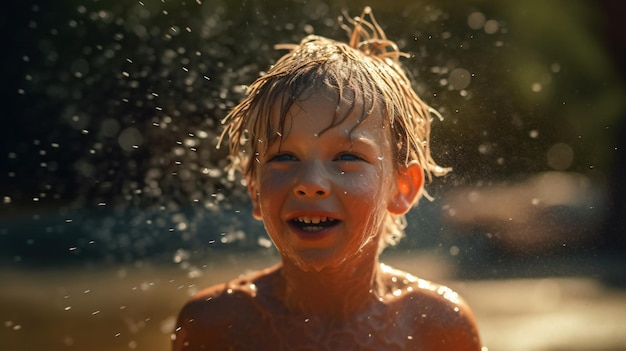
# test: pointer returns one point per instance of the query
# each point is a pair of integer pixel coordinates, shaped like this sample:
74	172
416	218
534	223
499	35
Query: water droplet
264	242
491	27
454	250
129	138
459	78
476	20
536	87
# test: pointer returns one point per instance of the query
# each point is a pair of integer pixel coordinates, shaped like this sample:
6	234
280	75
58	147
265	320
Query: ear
409	185
254	196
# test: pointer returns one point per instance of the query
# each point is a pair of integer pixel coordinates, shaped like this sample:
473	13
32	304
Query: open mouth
313	223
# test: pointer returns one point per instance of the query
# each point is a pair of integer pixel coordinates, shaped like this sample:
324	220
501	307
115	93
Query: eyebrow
363	143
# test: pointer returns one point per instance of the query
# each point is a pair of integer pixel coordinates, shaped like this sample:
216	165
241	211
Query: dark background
111	109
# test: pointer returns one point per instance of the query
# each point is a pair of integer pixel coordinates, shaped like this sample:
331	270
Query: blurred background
114	206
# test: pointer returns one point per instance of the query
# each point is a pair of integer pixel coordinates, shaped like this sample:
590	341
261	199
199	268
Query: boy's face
324	196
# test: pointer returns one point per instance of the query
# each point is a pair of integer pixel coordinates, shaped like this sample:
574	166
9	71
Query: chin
320	260
318	263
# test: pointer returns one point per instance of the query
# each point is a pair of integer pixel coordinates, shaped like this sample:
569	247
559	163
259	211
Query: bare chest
369	331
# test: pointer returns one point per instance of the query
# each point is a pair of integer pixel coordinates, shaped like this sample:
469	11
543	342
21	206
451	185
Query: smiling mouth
313	223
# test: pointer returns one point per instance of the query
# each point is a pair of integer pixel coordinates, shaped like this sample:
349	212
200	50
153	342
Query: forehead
321	111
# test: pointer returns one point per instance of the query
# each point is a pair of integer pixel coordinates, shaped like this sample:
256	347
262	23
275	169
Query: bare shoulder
440	316
214	316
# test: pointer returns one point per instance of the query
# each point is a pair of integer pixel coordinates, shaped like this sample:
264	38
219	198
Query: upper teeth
313	220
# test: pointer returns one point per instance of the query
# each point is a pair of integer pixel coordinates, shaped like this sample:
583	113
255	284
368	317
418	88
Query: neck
333	292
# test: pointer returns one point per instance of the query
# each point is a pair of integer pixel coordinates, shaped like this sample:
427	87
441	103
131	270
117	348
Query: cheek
273	186
366	192
371	192
369	183
273	180
364	184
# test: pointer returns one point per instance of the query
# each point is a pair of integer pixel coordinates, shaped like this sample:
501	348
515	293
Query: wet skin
323	198
249	314
342	176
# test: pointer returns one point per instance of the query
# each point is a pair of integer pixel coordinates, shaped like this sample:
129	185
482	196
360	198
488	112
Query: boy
333	143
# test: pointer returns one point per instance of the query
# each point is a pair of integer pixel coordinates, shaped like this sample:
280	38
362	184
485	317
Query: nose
312	181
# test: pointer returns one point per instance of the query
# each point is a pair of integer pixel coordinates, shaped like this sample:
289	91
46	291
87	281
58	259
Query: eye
282	158
347	156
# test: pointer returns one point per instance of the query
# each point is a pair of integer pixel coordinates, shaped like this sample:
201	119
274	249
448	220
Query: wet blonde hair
367	69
